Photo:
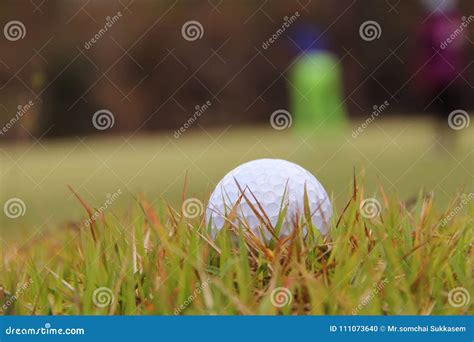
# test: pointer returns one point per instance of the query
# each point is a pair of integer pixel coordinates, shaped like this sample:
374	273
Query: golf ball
273	184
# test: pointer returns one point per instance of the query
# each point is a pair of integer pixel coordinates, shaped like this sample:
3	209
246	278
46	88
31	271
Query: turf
405	258
87	250
403	156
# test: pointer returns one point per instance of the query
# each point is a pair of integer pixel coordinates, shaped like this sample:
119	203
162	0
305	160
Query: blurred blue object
308	37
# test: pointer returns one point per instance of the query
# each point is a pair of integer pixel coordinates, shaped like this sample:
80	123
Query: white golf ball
273	183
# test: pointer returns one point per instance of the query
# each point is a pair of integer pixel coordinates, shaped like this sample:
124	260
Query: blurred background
138	96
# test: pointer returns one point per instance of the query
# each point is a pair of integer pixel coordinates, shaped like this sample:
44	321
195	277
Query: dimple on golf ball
269	185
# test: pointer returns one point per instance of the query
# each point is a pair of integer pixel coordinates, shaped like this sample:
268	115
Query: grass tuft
406	259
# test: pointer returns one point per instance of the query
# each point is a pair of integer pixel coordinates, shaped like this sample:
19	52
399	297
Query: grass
405	260
83	252
401	155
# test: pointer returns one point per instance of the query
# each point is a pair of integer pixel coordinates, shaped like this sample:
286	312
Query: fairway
111	250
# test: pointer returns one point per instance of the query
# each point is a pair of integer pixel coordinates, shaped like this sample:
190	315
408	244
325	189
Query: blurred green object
316	95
